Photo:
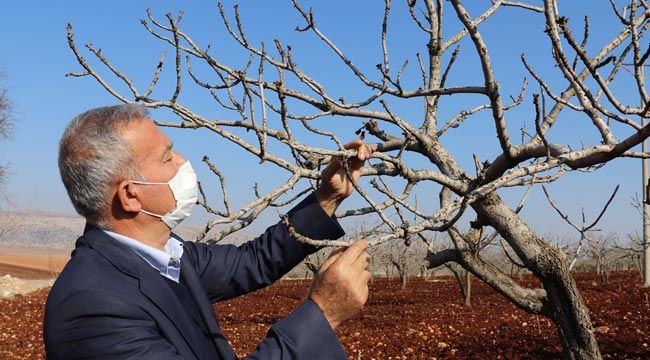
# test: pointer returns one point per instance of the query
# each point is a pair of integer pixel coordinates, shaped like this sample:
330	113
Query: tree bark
468	288
563	303
459	280
565	307
403	279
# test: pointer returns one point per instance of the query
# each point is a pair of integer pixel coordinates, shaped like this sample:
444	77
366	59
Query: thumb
334	255
331	169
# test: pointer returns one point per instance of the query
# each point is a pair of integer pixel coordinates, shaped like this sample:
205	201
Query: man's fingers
338	251
365	277
365	152
353	251
371	150
335	164
331	169
354	144
363	261
334	255
334	177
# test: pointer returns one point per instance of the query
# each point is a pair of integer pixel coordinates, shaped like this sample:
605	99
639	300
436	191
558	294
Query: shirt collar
167	262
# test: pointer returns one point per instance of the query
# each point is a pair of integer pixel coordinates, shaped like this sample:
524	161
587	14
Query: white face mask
184	187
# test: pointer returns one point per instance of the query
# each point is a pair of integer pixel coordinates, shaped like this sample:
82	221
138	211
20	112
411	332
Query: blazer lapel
205	307
152	285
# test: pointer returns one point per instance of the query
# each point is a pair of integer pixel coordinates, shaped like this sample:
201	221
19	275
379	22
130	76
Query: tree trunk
313	268
568	312
468	288
463	286
599	269
563	303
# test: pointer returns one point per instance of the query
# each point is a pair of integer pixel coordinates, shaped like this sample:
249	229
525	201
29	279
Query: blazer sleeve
108	329
226	271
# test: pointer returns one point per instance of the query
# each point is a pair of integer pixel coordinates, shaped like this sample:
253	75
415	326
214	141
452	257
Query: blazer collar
123	258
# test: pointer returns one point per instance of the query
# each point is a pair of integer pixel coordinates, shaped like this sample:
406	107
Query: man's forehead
145	137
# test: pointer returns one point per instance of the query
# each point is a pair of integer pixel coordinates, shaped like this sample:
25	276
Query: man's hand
335	185
340	288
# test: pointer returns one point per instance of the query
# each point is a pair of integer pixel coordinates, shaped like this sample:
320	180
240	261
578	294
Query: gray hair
92	154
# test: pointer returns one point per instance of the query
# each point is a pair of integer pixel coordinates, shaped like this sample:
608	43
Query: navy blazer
109	303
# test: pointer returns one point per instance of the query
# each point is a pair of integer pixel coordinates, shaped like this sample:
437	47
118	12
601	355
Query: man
134	290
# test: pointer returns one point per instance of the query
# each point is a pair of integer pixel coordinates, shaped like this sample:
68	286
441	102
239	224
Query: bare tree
642	241
405	260
464	281
596	247
398	260
600	249
314	262
273	99
633	251
6	128
8	220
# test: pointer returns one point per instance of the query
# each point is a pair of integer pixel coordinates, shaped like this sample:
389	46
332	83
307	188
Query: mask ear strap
147	183
152	214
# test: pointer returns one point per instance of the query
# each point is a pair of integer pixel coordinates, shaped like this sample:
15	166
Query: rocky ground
425	321
11	286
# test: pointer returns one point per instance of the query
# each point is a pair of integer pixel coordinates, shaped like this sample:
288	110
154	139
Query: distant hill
35	228
45	231
31	228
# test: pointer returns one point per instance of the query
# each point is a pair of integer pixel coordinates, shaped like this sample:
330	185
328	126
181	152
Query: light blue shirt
167	262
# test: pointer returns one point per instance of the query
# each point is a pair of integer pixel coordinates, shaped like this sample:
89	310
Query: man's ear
128	197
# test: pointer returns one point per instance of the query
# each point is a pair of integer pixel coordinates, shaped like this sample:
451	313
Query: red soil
425	321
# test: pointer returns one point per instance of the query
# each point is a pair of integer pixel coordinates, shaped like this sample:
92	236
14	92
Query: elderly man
134	290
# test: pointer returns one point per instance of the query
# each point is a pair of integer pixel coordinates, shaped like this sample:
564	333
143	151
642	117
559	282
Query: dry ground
47	260
426	321
23	270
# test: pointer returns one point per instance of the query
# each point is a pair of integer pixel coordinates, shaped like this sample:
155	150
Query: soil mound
11	286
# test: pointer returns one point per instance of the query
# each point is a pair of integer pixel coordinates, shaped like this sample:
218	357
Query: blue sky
35	58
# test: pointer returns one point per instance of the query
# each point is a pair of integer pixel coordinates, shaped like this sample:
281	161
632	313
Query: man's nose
180	160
